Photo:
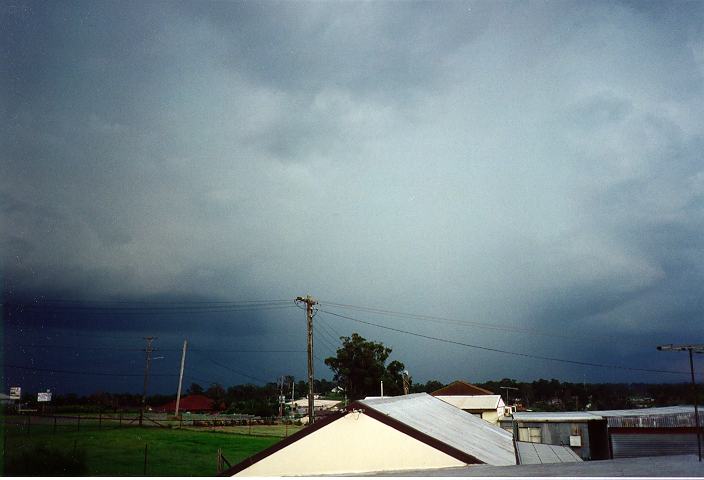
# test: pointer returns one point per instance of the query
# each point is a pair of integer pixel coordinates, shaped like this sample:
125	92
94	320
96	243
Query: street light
691	349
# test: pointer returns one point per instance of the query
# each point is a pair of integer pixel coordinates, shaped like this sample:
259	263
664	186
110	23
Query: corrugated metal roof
676	466
536	453
657	417
555	416
450	425
645	411
472	402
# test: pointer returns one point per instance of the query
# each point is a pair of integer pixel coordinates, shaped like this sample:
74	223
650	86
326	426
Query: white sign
15	393
44	397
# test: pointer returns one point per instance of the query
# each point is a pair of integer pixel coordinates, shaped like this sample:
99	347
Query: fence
240	424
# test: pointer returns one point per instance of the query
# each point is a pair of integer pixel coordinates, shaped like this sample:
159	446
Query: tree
360	365
194	389
216	392
429	386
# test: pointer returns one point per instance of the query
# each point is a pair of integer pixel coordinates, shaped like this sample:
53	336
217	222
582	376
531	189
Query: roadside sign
44	397
15	393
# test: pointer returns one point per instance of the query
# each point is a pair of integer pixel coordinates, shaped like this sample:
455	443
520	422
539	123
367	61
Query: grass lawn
259	430
120	452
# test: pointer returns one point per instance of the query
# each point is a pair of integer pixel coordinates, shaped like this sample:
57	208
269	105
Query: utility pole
146	377
310	302
506	389
406	382
696	349
282	399
180	377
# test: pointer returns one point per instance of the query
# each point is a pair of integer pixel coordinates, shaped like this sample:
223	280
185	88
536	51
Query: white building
487	407
409	432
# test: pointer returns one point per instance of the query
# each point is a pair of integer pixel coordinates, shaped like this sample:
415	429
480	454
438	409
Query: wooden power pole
310	302
180	377
146	377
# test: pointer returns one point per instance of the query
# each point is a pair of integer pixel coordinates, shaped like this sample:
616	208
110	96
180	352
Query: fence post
146	445
286	434
180	421
219	464
54	423
250	425
120	419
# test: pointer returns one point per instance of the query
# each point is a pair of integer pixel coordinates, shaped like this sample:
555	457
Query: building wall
356	443
491	416
556	433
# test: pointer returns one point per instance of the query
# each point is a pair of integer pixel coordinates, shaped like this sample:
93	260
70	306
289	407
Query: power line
147	302
453	321
126	311
77	347
497	350
80	347
226	367
82	372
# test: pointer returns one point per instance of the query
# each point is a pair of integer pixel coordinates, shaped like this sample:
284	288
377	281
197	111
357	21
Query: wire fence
27	424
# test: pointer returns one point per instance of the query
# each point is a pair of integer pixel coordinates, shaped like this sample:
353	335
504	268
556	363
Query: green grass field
120	452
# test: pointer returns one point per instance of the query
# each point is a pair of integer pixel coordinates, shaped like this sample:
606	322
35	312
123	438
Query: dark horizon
492	189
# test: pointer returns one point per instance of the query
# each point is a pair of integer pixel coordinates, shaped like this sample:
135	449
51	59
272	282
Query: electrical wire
451	321
226	367
497	350
82	372
156	349
145	302
152	311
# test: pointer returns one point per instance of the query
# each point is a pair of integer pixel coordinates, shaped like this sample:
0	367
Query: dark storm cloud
526	164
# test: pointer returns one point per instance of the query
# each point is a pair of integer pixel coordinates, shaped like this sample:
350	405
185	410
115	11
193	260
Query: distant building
460	387
487	407
475	400
192	404
300	406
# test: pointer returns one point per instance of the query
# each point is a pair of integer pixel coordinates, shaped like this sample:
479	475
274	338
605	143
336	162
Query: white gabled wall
356	443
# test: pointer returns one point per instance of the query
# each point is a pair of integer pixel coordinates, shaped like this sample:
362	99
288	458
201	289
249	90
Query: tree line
360	365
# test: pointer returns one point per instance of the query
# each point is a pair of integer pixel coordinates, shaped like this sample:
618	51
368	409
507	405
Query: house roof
449	425
425	418
555	416
194	403
640	412
658	417
460	387
473	402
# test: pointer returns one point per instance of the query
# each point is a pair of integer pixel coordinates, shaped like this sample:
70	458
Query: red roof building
191	403
459	387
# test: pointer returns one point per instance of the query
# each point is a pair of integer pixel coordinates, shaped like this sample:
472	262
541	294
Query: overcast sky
535	166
